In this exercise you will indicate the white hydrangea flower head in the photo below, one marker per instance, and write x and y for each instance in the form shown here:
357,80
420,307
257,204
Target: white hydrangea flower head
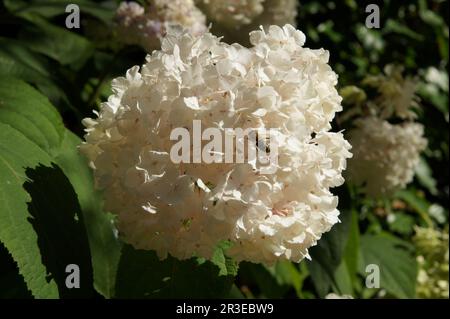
187,209
146,26
385,155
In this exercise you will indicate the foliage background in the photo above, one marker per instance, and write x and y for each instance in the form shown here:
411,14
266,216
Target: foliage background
50,215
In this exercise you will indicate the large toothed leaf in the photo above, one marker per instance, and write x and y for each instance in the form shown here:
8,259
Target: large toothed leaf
17,234
56,218
30,113
105,247
32,138
395,261
328,254
17,60
50,8
58,43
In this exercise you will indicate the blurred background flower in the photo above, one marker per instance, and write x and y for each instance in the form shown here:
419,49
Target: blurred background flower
432,250
146,25
233,19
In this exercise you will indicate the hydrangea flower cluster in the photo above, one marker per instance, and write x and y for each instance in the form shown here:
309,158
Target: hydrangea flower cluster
386,154
146,26
396,93
234,14
234,19
231,19
433,252
187,209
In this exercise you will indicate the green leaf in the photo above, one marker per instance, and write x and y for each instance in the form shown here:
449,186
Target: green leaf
343,281
287,273
431,93
51,8
401,223
321,279
32,134
17,234
104,245
429,16
351,254
16,60
424,175
265,278
416,202
227,265
327,29
13,285
327,255
398,267
31,114
142,275
59,226
61,44
393,26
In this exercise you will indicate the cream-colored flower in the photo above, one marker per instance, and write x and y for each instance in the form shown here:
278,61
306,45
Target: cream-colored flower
231,13
186,209
396,93
385,155
433,253
146,26
234,19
